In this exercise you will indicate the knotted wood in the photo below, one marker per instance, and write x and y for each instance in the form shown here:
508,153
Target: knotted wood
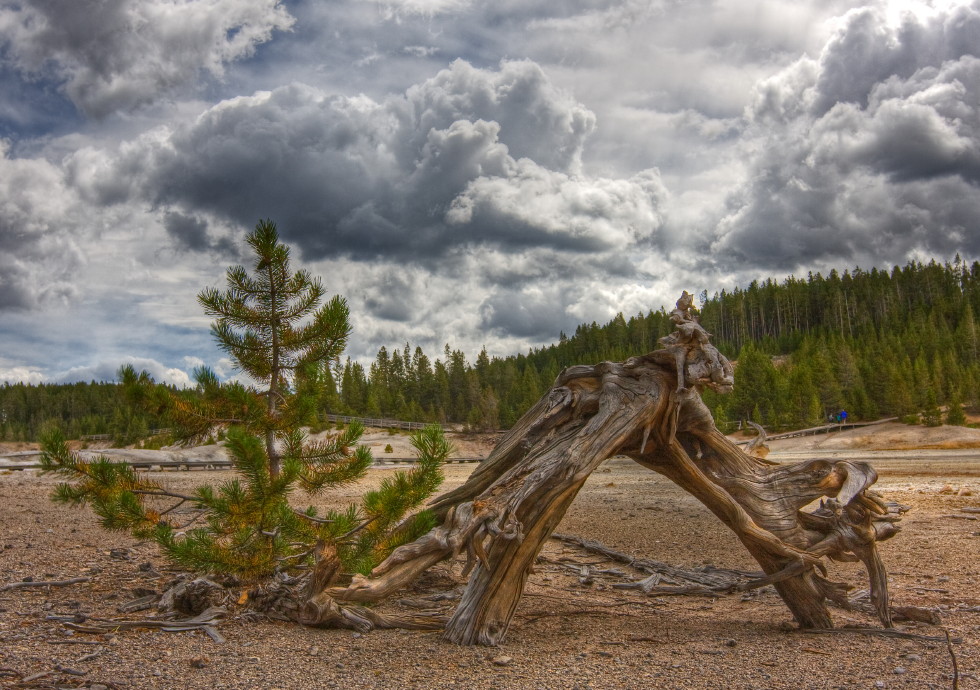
511,504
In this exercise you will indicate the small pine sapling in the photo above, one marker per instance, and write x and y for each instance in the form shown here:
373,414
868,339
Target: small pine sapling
271,324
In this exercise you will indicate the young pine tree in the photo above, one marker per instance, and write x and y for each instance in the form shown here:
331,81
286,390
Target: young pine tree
272,325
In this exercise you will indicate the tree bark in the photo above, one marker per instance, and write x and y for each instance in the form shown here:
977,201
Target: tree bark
512,503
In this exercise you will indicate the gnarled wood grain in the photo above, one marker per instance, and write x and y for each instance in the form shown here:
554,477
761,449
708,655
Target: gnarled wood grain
511,504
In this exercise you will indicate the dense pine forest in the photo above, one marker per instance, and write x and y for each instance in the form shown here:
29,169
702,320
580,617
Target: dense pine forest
876,343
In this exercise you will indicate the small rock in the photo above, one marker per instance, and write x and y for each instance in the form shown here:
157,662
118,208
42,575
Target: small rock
357,636
730,643
501,660
879,683
199,662
913,657
157,674
314,651
605,654
947,489
98,686
964,491
899,671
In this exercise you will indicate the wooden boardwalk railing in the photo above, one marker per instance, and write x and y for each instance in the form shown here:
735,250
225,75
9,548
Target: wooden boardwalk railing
210,464
382,422
824,429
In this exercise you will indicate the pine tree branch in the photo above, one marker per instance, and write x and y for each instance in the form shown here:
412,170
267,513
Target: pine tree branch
313,518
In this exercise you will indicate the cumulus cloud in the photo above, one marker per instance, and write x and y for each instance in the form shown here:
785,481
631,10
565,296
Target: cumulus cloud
39,232
633,147
121,54
106,370
876,162
21,374
467,158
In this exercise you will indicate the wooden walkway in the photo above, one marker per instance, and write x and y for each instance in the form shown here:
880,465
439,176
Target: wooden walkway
824,429
380,422
207,464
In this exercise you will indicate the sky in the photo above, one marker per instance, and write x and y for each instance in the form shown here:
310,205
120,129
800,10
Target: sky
478,173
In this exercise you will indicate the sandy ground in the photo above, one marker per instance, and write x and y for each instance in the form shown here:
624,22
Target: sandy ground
566,633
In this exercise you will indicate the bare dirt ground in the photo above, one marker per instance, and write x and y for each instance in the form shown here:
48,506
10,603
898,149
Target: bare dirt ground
566,634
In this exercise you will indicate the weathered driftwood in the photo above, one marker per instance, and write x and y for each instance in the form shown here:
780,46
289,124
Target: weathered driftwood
649,409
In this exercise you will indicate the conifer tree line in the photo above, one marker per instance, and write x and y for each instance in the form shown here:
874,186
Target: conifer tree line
76,409
876,343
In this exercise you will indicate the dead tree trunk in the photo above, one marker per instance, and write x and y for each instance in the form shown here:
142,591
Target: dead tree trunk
511,504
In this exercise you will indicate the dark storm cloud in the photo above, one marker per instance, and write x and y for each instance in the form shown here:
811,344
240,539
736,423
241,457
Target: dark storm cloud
191,232
452,163
535,314
884,164
119,54
14,293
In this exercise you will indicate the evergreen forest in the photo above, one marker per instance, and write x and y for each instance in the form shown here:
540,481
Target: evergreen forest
879,343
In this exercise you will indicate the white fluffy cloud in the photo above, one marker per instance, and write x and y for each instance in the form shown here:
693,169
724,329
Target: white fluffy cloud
106,370
119,54
39,234
471,173
869,153
468,158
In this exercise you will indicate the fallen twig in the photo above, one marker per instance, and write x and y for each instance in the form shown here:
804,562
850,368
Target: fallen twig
70,671
44,583
90,655
139,604
204,621
956,670
718,579
89,642
882,632
532,616
35,676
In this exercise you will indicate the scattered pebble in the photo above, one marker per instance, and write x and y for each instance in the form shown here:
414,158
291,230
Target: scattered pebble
502,660
899,670
199,662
